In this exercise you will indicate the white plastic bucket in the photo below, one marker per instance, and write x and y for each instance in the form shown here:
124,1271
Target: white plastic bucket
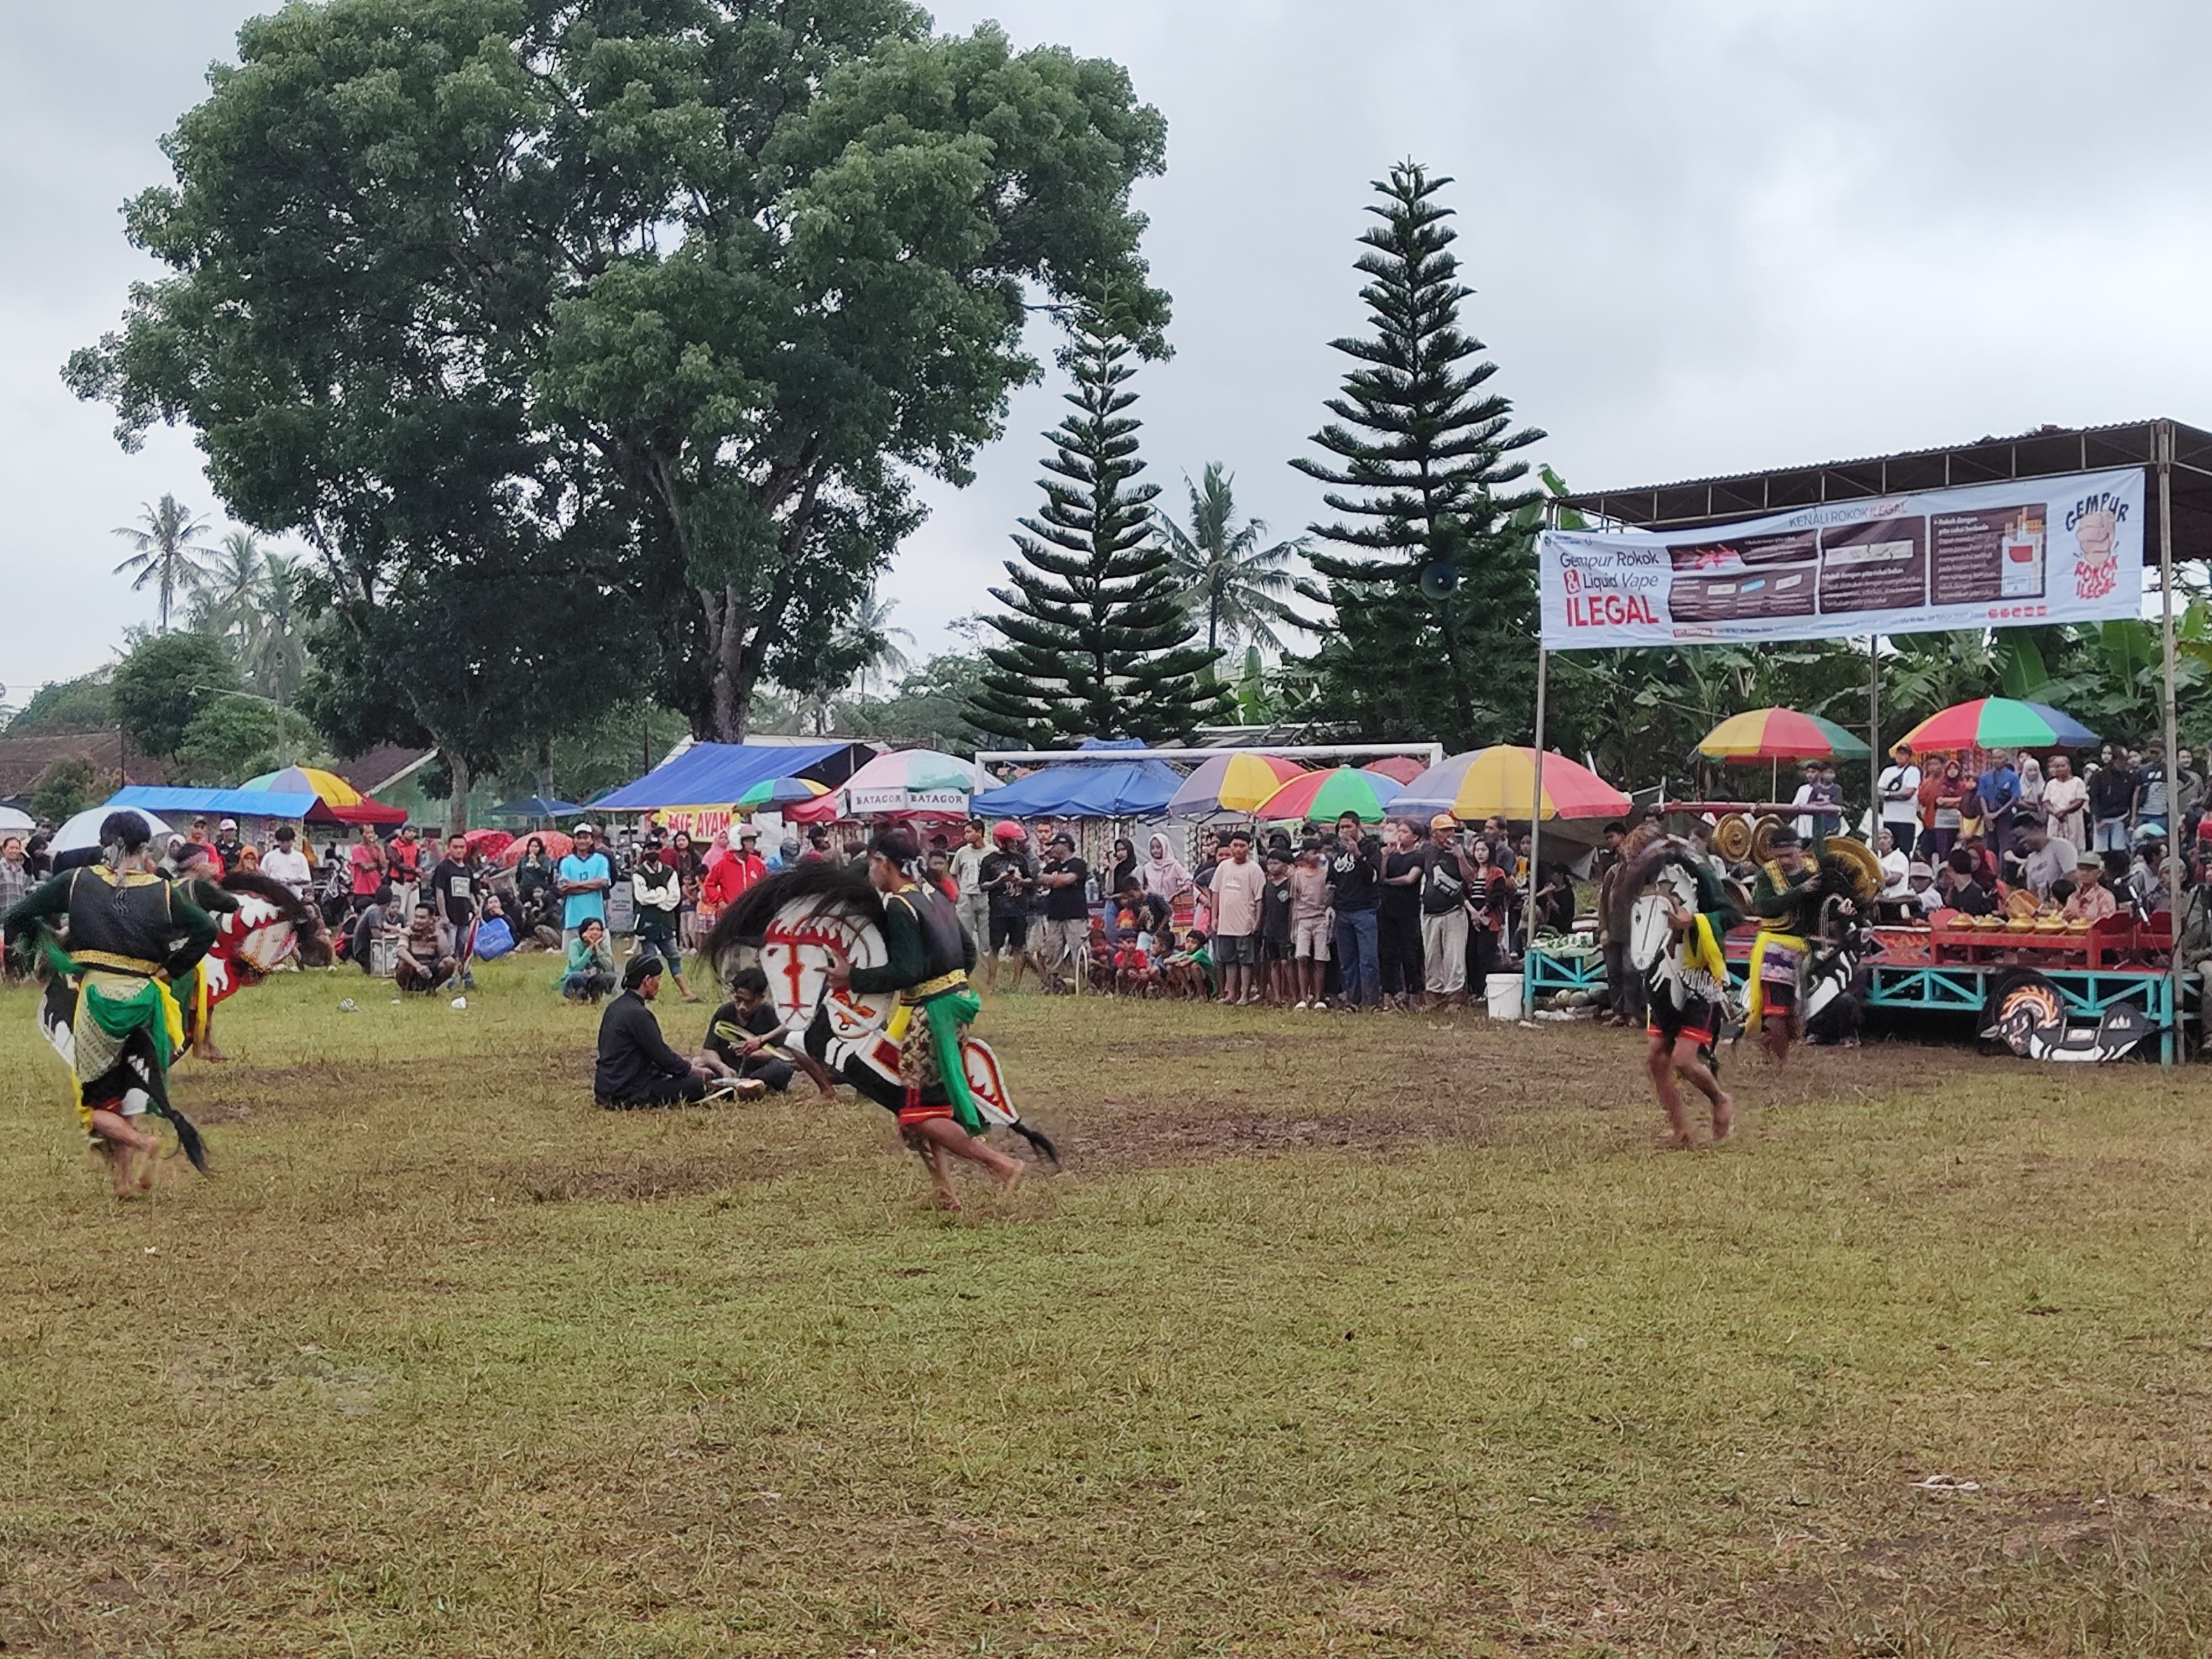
1503,993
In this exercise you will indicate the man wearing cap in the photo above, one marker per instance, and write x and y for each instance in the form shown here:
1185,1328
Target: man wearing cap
1922,898
1445,878
227,844
1785,899
635,1067
2091,900
1066,946
582,880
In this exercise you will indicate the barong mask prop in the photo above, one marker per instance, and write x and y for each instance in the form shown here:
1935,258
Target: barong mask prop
792,925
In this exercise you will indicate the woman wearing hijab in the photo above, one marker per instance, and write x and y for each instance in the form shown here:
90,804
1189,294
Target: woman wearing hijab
1165,874
2032,786
1124,869
718,851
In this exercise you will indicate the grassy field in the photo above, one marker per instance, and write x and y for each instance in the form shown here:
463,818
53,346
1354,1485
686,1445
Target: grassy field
1392,1336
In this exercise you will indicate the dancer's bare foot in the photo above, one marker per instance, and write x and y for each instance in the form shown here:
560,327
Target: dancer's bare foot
1723,1117
941,1198
209,1051
1677,1143
1011,1176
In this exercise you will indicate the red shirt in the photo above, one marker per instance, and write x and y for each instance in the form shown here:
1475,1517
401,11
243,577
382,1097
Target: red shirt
367,861
729,876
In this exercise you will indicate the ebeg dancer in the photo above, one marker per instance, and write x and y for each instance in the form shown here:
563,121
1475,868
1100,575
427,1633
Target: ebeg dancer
1786,898
1688,992
109,1009
928,957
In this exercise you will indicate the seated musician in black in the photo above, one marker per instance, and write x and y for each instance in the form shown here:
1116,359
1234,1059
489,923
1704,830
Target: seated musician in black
636,1068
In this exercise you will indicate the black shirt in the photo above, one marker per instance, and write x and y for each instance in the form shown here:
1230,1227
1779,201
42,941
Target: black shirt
727,1031
1444,889
1402,903
1971,898
1352,878
1005,876
1275,912
633,1054
1068,903
2111,793
453,887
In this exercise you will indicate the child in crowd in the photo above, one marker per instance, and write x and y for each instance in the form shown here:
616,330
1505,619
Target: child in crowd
1133,973
1276,967
1188,973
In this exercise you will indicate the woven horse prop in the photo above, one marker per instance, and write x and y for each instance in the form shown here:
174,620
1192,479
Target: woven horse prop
792,925
251,942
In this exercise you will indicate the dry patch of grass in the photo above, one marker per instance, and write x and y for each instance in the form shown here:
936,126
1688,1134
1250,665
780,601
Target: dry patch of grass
1338,1336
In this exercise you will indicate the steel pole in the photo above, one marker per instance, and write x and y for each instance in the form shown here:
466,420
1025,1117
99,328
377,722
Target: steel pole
1536,797
1874,737
2172,744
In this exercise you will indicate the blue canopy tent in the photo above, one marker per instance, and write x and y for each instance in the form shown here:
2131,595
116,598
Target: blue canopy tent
213,802
715,775
1086,788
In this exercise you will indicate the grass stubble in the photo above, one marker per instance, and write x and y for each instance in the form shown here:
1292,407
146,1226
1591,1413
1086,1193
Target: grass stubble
1392,1336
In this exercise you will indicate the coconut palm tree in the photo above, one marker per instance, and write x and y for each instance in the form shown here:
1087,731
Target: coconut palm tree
228,601
1223,569
275,650
170,552
871,634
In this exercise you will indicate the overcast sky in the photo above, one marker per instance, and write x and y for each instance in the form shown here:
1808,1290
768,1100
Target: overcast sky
1704,238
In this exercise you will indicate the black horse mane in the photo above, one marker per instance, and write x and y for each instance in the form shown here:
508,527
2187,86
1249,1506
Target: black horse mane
287,902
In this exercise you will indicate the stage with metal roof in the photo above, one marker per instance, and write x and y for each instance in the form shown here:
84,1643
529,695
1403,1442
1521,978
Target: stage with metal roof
2040,454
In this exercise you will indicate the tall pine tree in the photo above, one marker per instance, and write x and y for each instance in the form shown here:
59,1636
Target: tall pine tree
1435,588
1097,639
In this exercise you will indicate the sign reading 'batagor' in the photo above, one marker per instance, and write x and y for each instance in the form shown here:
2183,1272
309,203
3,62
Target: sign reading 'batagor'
2030,550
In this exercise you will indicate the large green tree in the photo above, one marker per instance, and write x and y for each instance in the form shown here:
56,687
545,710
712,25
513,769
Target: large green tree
1096,640
1431,579
721,274
165,682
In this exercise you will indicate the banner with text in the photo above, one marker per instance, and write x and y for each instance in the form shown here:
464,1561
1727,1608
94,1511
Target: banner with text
2024,552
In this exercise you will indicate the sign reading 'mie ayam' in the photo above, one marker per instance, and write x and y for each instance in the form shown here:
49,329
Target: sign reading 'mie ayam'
2028,550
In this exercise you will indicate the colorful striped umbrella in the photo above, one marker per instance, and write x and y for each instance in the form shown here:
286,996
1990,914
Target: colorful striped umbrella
909,780
1780,734
1499,782
1399,769
1232,786
779,791
1999,723
1327,796
336,797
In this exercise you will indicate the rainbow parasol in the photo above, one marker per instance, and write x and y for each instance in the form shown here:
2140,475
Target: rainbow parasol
334,797
1327,796
779,791
1778,734
1499,782
1999,723
1231,785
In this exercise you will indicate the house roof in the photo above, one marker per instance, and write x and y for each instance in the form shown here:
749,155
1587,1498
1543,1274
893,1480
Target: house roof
375,771
23,760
